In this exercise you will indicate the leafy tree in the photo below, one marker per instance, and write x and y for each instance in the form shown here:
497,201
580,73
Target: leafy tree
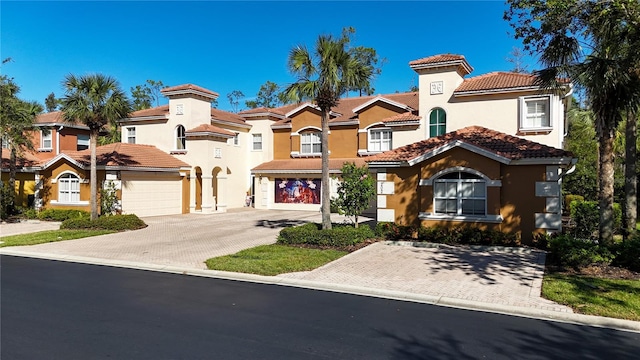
95,100
367,56
323,76
141,97
631,174
214,103
595,44
234,99
355,191
155,87
16,121
581,141
51,103
267,96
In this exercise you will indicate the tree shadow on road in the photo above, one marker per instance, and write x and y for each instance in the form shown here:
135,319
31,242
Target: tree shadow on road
281,223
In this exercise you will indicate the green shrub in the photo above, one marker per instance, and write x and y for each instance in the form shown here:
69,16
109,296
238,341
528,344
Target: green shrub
393,231
115,222
30,213
628,254
568,199
586,215
565,250
312,234
7,201
62,215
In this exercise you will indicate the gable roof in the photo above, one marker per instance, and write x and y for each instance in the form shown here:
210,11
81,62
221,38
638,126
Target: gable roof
55,118
496,81
402,119
25,160
501,147
123,156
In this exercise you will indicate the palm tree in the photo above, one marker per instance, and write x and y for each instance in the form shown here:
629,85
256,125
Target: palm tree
610,85
94,100
323,77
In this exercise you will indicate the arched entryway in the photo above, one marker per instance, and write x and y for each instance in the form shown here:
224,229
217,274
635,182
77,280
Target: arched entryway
198,188
214,185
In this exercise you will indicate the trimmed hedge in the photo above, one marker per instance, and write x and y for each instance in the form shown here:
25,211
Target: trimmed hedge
62,215
586,215
628,254
565,250
313,234
462,235
115,222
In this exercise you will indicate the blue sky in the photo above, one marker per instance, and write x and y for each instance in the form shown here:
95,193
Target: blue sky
226,46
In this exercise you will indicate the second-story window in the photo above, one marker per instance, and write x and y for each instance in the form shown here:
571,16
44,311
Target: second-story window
437,122
379,140
535,113
257,142
131,135
181,140
82,142
46,136
310,142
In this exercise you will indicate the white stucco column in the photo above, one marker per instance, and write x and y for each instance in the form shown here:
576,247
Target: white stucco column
222,189
208,205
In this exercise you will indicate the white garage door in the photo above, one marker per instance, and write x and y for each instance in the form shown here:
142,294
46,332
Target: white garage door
151,195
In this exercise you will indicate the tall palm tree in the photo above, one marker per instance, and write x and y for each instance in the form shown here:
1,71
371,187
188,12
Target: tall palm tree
323,77
94,100
610,84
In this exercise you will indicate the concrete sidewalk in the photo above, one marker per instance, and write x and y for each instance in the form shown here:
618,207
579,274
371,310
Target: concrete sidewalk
496,279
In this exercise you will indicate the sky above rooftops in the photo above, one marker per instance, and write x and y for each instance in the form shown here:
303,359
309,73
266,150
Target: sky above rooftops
226,46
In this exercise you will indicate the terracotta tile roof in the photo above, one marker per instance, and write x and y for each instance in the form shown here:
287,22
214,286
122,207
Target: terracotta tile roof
313,165
227,116
128,155
26,159
261,110
346,105
186,87
156,111
55,117
402,118
507,146
497,80
208,128
435,59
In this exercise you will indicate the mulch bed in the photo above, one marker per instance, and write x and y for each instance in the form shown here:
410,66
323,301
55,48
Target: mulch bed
596,271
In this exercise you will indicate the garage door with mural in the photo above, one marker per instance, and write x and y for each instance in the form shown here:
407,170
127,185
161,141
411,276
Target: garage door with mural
151,194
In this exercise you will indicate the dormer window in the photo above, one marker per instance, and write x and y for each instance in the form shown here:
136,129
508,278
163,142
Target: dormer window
310,142
380,140
181,140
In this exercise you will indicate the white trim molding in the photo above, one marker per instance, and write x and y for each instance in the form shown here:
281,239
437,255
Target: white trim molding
495,219
489,182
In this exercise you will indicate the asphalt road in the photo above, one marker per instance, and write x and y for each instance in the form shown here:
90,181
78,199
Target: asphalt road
58,310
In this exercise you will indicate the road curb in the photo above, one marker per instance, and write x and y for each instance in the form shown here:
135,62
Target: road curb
598,321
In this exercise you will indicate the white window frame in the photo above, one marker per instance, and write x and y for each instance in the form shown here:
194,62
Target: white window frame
68,189
312,140
44,137
546,124
256,140
86,141
181,138
460,196
131,135
377,141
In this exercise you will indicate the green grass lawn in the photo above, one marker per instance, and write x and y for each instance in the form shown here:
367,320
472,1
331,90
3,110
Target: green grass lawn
49,236
274,259
592,296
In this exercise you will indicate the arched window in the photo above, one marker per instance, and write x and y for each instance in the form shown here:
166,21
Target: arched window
437,122
68,188
181,140
460,193
310,142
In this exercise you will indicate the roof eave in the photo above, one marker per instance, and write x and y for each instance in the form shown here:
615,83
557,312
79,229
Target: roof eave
231,123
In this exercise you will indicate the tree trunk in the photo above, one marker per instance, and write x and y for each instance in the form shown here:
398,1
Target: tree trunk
93,176
606,188
326,191
12,179
356,224
630,179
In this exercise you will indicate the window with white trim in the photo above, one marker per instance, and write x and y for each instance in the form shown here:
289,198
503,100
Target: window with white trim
82,142
47,142
131,135
257,142
535,113
181,139
460,193
380,140
68,189
437,122
310,142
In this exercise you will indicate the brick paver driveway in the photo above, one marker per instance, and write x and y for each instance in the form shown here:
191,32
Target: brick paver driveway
183,240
